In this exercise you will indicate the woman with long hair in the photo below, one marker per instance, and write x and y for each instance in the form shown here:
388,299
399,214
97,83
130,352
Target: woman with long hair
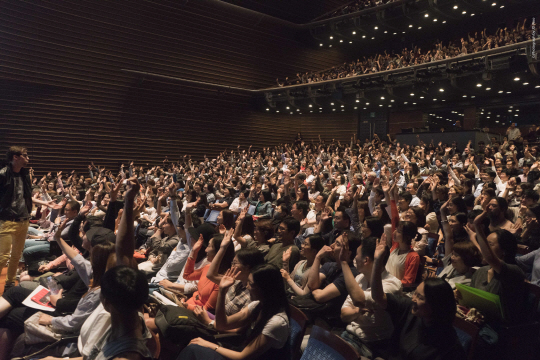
265,319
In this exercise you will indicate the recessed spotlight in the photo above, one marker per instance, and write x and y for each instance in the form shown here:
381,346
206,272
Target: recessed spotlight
537,86
357,100
382,97
472,97
464,12
410,26
434,99
502,6
508,92
330,46
376,28
277,111
494,4
291,112
516,79
310,105
340,41
380,105
392,100
287,108
500,91
333,109
311,111
478,85
373,38
332,104
488,89
426,15
331,37
320,44
297,109
356,107
267,109
350,42
354,32
342,105
455,7
464,95
419,27
386,31
434,20
342,109
395,33
406,102
365,108
441,90
444,22
367,103
472,14
412,94
421,97
414,103
363,36
525,83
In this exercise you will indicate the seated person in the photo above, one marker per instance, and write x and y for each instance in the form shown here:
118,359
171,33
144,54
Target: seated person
326,282
403,261
265,320
160,246
369,328
287,231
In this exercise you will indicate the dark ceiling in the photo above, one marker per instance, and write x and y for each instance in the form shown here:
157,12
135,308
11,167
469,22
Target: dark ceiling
296,11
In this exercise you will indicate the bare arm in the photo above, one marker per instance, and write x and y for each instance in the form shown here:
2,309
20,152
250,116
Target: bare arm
125,237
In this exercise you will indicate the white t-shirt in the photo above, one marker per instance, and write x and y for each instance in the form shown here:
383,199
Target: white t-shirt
93,329
375,323
276,329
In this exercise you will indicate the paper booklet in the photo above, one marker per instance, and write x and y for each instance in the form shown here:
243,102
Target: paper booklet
39,299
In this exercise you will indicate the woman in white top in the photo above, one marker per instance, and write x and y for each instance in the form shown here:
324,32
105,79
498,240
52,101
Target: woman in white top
416,215
297,280
265,319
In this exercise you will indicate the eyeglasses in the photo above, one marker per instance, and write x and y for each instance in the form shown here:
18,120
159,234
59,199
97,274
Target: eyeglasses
24,155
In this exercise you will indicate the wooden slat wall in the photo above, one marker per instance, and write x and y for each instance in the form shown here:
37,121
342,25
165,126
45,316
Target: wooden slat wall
63,94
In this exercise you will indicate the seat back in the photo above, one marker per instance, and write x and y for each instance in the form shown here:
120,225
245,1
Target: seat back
467,334
298,323
323,345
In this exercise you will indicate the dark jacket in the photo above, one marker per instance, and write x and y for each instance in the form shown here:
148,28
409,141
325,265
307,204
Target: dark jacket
7,186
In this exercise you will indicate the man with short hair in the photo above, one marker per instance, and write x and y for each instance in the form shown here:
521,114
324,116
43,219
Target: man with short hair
412,188
496,211
287,231
15,208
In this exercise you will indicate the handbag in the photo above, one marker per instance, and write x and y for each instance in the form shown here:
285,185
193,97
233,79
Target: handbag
35,333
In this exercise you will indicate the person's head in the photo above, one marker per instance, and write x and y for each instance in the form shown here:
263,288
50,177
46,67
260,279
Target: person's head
71,210
529,198
300,210
412,188
17,156
168,227
457,204
363,209
404,199
302,193
228,192
504,245
342,220
434,301
365,254
124,290
226,217
319,202
426,203
457,221
354,243
99,258
288,229
372,226
246,260
243,195
263,232
213,248
415,215
405,232
497,208
379,194
464,256
311,246
265,196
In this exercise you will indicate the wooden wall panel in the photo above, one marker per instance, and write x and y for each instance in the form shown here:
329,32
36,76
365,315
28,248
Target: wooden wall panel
64,95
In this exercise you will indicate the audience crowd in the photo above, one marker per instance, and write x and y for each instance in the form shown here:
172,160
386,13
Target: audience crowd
359,5
374,239
473,43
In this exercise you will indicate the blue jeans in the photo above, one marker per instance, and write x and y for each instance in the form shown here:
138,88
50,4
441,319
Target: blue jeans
34,250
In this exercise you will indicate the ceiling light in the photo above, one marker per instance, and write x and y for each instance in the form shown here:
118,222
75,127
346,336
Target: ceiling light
472,97
464,12
525,83
382,97
267,109
410,25
287,108
342,109
330,46
350,42
332,104
488,88
455,7
363,36
376,28
386,31
478,85
508,92
365,108
354,32
380,105
277,111
414,103
342,105
356,107
321,44
516,79
373,38
494,4
426,15
500,92
434,99
434,20
392,100
357,100
441,90
464,95
412,94
311,111
291,112
297,109
331,37
395,33
421,97
333,109
310,105
502,6
340,40
419,27
405,102
537,86
444,22
367,103
472,14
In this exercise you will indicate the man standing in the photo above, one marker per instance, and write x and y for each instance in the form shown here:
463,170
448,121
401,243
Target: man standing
15,209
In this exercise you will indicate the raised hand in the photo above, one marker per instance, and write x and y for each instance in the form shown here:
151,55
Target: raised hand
345,253
380,250
287,255
227,239
326,250
229,278
286,276
86,208
197,246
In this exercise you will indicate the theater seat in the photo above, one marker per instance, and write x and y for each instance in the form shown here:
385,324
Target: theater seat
323,345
